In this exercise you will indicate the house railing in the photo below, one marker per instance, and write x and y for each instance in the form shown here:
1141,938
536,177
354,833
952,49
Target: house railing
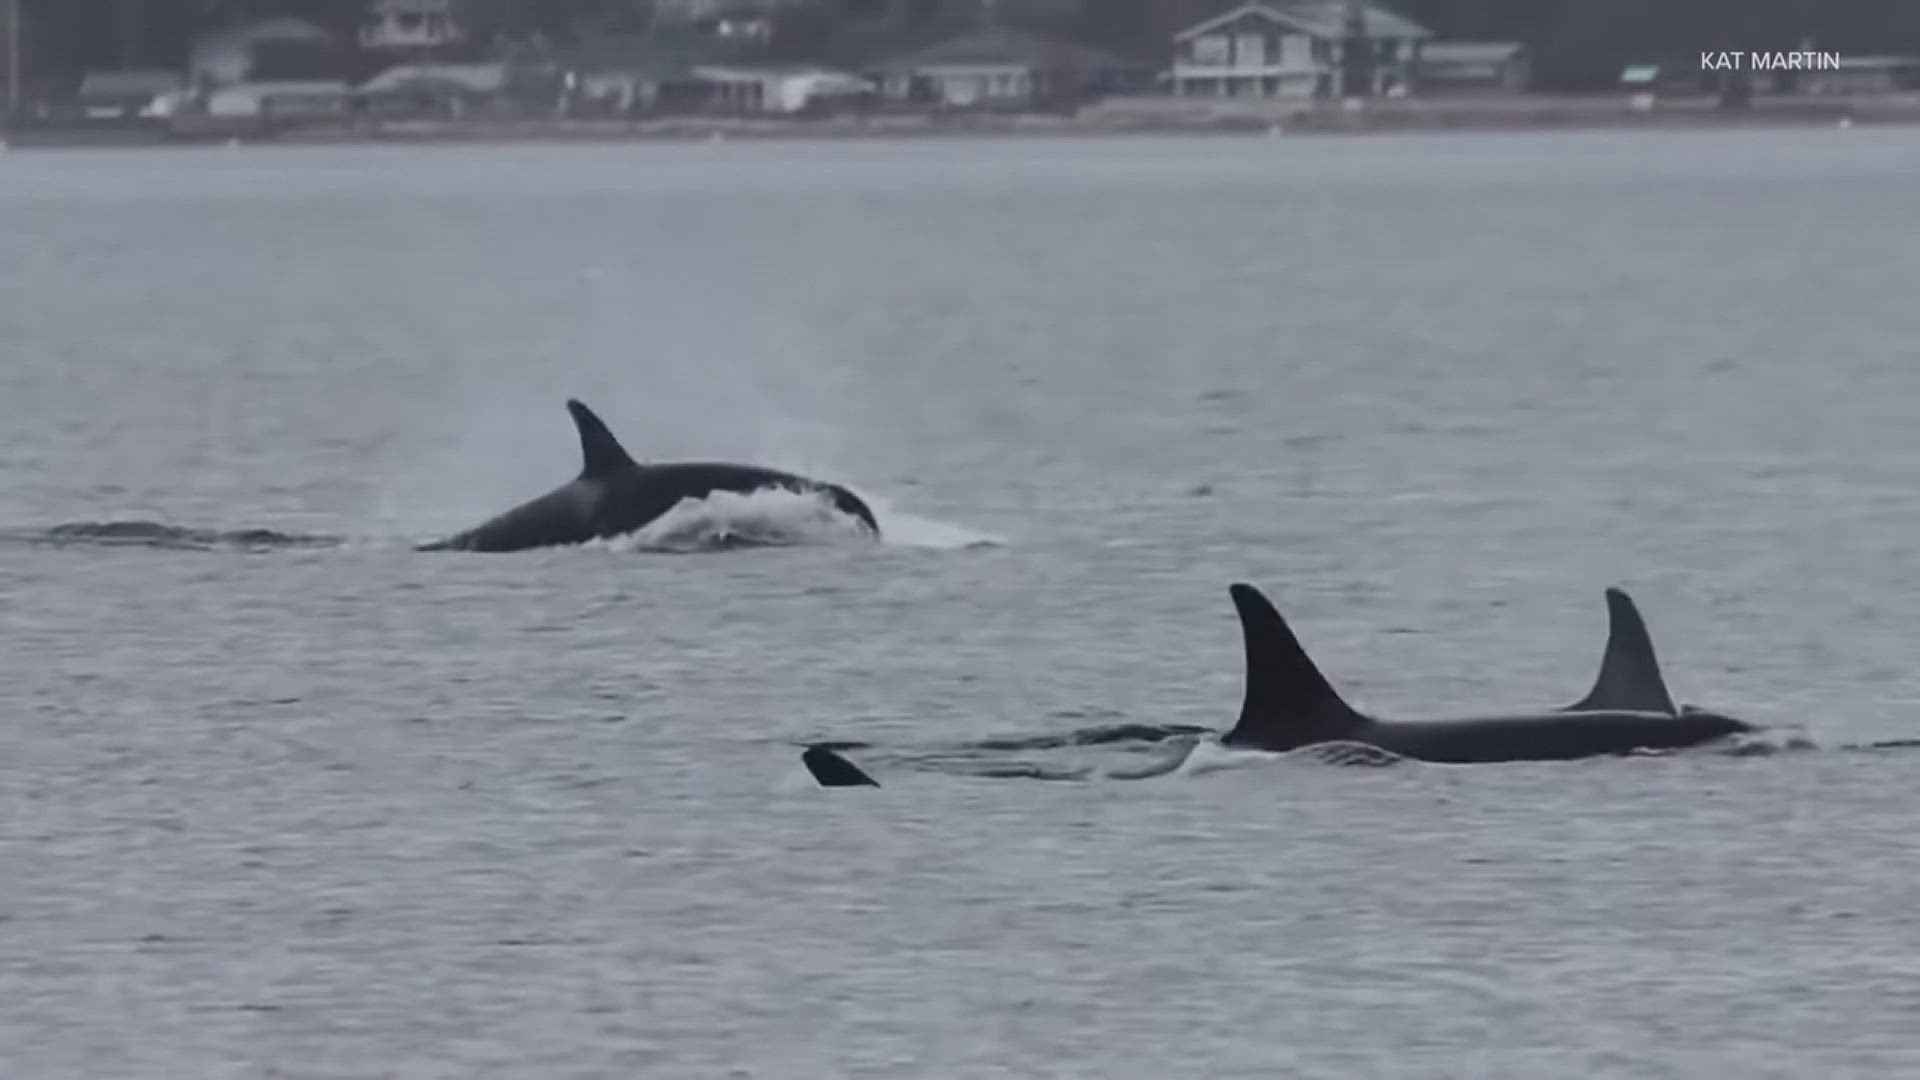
1187,69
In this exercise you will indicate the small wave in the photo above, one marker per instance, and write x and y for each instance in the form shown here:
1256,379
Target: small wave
1779,741
1195,755
1885,744
838,746
961,762
909,530
1177,750
1346,755
901,529
154,534
1761,743
1102,735
1210,755
1028,770
1177,759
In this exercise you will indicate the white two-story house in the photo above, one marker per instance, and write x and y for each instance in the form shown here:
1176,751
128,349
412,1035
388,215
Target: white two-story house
1292,49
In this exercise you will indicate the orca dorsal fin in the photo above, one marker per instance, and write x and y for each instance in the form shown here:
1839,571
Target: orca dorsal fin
1288,702
600,453
829,769
1629,674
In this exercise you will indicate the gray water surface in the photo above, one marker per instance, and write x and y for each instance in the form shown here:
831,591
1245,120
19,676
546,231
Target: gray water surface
346,810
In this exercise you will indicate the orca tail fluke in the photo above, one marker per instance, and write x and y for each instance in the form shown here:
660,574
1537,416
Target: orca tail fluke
600,453
832,770
1288,701
1629,672
853,506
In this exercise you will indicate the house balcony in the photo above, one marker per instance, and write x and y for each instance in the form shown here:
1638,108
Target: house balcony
1286,80
1184,69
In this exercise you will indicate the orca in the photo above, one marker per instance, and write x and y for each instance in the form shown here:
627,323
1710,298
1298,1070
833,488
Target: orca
1289,704
832,770
614,495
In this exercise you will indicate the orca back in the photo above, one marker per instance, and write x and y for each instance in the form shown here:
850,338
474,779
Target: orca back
1555,736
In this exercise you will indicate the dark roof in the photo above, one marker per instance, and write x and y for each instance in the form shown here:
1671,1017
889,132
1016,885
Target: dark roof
1321,18
1470,52
1004,46
147,83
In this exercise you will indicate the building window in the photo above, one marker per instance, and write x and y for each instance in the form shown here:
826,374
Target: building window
1213,50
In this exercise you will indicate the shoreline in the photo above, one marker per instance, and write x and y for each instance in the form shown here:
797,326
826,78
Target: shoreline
1113,117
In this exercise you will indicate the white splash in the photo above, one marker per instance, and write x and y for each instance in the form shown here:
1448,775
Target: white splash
769,517
778,517
901,529
1211,755
1199,756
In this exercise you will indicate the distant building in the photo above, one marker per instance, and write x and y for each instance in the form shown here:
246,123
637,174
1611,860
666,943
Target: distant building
1001,67
779,90
278,99
1863,75
122,94
413,26
1291,50
1670,78
629,75
1460,66
436,89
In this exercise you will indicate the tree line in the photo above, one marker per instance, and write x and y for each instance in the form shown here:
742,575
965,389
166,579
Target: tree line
1576,43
